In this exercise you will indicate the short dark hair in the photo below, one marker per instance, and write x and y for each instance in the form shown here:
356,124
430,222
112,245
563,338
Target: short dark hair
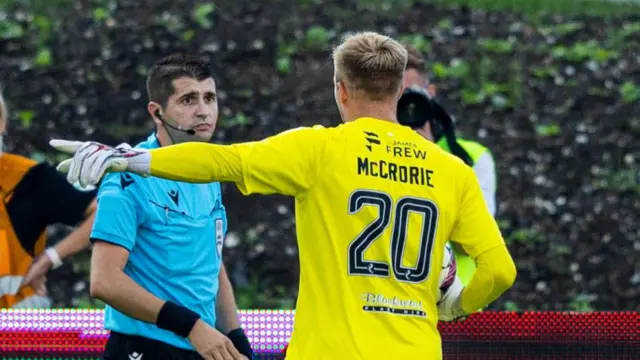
164,72
416,61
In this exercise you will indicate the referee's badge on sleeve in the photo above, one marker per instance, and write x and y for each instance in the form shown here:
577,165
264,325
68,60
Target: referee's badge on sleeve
219,236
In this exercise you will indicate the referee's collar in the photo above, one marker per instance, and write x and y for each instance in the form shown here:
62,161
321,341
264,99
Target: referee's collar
152,142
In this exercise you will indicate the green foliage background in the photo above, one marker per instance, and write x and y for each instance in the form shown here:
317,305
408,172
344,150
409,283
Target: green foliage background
552,87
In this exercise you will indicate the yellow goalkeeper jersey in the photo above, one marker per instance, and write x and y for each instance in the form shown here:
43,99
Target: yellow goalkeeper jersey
374,205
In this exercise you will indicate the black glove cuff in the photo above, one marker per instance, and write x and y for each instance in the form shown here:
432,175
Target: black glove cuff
177,319
241,342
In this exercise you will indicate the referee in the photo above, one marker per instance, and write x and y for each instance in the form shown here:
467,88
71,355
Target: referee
156,261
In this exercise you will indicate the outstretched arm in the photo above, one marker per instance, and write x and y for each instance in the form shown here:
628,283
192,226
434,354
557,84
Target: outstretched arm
198,162
287,163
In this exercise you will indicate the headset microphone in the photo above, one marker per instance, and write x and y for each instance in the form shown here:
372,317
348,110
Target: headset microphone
187,131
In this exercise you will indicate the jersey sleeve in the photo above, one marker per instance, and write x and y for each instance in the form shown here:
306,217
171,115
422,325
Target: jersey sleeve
117,216
287,163
475,230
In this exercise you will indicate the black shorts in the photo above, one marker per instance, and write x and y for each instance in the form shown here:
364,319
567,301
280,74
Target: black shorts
129,347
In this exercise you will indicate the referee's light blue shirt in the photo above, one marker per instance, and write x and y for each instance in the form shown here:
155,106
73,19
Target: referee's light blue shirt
174,232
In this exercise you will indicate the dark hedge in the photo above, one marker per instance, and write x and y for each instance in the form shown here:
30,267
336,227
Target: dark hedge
555,98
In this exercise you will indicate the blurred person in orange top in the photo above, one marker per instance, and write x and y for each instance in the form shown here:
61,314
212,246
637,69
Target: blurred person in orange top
34,196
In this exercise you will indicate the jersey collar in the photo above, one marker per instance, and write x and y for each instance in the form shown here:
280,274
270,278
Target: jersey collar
379,122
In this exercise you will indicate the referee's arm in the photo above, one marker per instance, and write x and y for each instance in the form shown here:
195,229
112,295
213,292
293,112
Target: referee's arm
110,284
114,236
226,309
227,315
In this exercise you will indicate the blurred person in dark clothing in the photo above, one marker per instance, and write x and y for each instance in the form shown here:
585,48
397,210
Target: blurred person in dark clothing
34,196
434,124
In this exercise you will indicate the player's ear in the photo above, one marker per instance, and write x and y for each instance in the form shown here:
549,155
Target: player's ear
342,91
155,111
402,88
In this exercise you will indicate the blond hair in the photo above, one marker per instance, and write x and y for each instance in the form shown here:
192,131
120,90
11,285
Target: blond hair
3,114
370,65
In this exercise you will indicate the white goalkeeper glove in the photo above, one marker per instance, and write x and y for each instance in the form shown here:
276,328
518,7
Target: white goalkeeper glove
91,160
450,305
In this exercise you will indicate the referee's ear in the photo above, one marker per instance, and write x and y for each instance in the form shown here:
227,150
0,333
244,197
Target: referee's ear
155,111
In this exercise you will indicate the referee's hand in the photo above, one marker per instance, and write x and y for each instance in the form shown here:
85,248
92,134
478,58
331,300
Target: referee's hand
212,344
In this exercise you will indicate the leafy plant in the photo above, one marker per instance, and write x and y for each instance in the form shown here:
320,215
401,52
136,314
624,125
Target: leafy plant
445,24
457,69
239,120
539,8
418,41
43,57
283,59
561,29
253,296
188,35
495,93
100,14
630,92
10,30
389,7
498,46
316,38
511,306
516,81
283,64
582,51
630,29
304,4
559,249
524,235
87,302
202,13
548,129
544,71
25,117
625,180
582,302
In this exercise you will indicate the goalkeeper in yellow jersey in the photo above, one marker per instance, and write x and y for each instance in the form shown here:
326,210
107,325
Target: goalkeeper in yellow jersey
375,205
